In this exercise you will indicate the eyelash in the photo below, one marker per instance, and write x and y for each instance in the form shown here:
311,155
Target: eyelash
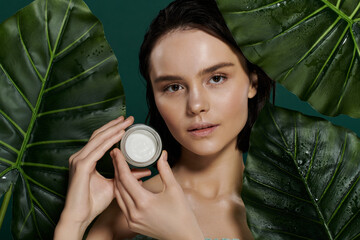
221,76
167,88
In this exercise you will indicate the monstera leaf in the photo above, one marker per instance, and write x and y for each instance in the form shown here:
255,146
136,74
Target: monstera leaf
58,83
312,47
301,179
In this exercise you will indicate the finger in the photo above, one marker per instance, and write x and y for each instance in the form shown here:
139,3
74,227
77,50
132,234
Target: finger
127,179
140,173
73,156
121,203
106,126
91,144
123,199
88,163
104,136
126,198
165,171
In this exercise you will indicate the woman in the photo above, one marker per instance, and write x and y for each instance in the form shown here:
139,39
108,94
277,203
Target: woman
203,98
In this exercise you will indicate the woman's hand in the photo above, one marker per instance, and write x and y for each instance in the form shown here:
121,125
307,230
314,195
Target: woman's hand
89,193
164,215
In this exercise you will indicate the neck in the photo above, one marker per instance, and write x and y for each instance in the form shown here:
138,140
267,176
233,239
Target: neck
211,176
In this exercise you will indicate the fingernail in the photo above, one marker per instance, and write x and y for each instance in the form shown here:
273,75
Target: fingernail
129,118
164,155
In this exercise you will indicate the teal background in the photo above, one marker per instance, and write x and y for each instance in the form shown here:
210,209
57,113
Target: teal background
125,23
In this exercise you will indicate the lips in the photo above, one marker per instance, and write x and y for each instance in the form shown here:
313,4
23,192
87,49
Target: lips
202,129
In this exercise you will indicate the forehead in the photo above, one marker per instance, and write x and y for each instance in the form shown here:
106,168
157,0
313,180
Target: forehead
188,50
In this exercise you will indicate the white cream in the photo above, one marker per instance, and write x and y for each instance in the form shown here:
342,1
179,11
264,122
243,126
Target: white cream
140,146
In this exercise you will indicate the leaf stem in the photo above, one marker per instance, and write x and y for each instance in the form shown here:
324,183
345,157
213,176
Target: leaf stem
5,205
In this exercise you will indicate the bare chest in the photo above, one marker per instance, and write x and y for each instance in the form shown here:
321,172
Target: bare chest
221,218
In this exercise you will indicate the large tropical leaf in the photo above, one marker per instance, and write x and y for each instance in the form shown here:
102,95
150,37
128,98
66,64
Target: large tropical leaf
301,179
58,82
312,47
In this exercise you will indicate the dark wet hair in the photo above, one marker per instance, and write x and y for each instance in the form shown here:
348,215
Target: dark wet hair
203,15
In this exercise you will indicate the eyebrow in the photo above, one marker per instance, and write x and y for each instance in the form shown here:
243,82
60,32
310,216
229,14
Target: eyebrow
215,67
167,78
201,73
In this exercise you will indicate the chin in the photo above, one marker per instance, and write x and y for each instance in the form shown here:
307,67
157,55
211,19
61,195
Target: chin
204,150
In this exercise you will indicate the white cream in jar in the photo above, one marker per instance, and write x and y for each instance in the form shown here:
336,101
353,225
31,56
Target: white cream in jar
141,145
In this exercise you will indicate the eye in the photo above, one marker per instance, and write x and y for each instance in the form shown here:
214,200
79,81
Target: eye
173,88
217,79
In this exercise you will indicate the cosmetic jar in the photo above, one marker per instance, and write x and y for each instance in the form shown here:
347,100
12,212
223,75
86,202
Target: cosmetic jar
141,145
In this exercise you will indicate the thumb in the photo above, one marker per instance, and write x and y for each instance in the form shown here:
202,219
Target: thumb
165,171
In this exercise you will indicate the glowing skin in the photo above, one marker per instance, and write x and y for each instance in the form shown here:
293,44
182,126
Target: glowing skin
201,90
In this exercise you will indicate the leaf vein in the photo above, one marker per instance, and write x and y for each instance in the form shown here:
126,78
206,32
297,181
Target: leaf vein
278,190
347,224
346,81
310,89
259,8
354,39
337,10
17,88
320,40
57,141
78,107
336,170
25,220
313,155
31,201
41,165
288,29
43,210
282,169
343,199
77,76
27,52
9,147
64,22
12,122
261,204
279,130
77,40
43,186
6,161
279,231
355,11
6,171
47,28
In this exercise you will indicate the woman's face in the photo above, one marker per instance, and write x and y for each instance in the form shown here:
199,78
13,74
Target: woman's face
201,90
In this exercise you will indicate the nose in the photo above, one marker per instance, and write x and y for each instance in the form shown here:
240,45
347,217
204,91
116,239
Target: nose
198,101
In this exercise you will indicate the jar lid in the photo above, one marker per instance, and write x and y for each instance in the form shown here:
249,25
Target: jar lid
141,145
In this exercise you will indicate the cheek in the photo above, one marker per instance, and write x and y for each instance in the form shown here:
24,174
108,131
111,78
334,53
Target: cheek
234,101
234,108
170,112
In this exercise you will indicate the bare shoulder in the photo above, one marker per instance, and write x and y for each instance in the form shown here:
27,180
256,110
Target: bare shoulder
112,224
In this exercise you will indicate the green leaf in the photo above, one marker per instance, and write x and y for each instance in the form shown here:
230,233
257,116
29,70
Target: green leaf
312,47
58,83
301,179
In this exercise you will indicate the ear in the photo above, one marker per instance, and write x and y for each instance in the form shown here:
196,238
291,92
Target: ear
253,84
